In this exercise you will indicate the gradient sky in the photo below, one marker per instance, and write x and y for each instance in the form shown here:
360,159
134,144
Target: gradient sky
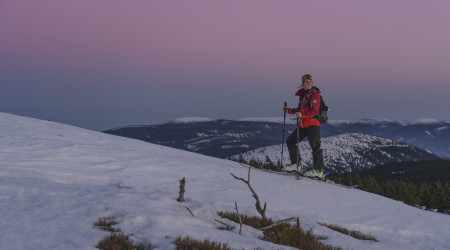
107,63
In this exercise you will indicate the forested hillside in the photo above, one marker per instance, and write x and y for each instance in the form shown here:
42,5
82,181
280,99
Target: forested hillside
424,184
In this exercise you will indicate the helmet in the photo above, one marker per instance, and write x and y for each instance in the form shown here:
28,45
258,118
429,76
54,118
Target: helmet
306,77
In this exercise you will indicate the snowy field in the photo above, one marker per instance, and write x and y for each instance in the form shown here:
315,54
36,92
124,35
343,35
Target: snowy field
56,180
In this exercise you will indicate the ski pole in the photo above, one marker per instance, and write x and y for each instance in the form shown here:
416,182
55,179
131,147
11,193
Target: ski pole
284,129
298,149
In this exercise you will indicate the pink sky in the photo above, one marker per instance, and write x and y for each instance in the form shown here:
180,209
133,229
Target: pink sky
223,59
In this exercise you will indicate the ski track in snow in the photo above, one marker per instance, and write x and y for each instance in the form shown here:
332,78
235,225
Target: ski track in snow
56,180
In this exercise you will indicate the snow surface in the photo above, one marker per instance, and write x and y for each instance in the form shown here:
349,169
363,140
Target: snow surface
56,180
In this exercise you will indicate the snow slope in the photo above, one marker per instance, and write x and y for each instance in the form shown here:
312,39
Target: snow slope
56,180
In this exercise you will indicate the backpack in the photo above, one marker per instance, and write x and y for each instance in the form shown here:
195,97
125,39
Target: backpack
322,117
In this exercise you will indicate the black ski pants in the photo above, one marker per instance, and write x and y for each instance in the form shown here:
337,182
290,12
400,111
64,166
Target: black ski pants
313,134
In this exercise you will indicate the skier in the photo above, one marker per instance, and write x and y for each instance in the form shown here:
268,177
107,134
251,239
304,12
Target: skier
308,126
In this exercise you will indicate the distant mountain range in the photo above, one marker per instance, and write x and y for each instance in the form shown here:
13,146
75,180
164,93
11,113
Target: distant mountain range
347,152
224,138
218,138
428,134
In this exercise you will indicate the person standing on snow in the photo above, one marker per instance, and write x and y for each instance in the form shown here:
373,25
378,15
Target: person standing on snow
308,126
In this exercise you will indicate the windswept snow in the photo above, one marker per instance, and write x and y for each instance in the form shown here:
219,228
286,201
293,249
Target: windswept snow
56,180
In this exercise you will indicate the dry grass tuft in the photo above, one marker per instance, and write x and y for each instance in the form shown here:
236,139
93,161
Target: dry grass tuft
187,243
116,240
353,233
289,235
284,234
253,221
106,224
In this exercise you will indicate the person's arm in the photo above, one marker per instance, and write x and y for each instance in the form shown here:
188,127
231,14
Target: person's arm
292,111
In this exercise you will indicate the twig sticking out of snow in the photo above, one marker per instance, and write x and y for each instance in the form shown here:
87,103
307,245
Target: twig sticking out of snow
225,224
281,222
182,184
261,211
239,216
190,211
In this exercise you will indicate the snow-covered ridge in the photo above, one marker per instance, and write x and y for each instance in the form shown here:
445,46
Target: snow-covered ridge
192,119
360,121
346,152
56,180
129,126
424,121
267,119
290,120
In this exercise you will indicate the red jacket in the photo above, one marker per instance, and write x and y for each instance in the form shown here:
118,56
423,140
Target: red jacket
309,105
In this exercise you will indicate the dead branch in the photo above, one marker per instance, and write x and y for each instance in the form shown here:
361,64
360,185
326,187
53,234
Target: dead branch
223,223
282,222
189,211
182,184
261,211
239,216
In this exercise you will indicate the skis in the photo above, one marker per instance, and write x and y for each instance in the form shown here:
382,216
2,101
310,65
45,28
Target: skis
306,171
302,172
294,173
317,177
